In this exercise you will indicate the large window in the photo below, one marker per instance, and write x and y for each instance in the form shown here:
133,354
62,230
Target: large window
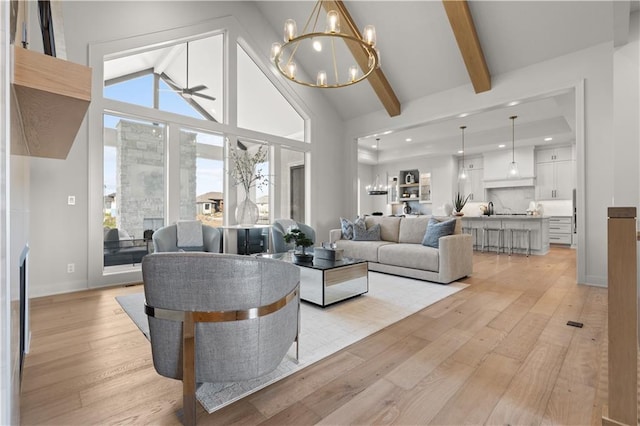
134,187
201,176
166,137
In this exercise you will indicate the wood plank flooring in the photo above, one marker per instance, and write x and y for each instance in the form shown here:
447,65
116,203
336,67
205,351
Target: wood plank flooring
497,352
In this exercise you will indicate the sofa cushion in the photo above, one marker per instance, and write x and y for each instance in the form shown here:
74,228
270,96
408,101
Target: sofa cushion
367,250
436,229
389,226
361,233
414,256
346,226
412,229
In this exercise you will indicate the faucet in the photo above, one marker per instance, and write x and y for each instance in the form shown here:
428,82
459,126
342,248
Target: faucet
490,208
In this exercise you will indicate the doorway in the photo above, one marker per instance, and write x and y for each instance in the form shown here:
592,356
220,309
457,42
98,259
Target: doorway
297,195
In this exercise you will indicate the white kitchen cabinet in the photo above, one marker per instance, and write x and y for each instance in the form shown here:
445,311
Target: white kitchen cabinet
425,188
559,153
473,185
560,230
555,180
392,190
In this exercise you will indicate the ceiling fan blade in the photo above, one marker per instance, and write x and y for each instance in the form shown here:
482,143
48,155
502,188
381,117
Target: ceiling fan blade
197,88
202,95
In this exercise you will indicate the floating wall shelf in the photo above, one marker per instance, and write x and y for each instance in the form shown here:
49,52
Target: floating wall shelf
53,96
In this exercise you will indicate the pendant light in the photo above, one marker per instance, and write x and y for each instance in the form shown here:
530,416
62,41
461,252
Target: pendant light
377,188
463,171
513,166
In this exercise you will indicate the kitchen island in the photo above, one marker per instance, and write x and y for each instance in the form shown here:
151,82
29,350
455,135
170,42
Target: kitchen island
538,226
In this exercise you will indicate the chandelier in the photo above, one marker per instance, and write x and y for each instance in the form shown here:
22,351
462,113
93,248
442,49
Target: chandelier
377,188
513,166
323,45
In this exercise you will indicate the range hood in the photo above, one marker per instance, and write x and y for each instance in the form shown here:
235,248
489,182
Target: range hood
509,183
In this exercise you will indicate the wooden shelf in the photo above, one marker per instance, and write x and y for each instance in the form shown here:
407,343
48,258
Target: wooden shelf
53,96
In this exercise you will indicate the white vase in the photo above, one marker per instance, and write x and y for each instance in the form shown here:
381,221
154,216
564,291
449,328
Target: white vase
247,212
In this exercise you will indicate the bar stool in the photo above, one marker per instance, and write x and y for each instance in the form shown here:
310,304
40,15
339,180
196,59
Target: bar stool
473,232
486,234
523,232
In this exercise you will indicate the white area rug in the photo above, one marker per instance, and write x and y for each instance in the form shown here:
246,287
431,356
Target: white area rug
323,331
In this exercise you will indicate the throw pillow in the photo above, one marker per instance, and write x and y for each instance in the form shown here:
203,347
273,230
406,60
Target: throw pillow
361,233
347,229
435,230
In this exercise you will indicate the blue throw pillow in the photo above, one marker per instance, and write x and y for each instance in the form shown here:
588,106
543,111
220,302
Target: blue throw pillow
361,233
347,229
436,229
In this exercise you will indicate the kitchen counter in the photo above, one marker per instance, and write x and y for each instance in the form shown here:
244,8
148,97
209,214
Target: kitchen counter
538,225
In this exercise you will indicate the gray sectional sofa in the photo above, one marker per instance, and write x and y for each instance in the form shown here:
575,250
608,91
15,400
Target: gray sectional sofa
400,250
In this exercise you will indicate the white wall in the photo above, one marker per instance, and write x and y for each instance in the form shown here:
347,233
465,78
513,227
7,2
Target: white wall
594,66
62,237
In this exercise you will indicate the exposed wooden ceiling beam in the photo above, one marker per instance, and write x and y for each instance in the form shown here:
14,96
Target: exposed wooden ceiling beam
464,30
377,79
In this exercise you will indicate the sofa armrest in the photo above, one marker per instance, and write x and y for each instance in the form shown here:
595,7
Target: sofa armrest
335,235
456,257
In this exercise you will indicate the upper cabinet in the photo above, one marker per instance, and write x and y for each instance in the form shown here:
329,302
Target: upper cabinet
52,96
425,187
473,185
555,173
561,153
496,164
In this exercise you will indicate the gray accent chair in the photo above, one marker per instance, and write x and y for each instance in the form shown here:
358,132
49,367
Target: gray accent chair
219,317
166,240
279,228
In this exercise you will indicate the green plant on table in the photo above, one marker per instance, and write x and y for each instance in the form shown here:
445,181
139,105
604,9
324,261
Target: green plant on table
299,239
460,201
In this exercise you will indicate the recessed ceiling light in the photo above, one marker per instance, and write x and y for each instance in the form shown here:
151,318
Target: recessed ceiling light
373,146
501,145
408,140
317,46
460,151
548,139
387,132
463,115
514,103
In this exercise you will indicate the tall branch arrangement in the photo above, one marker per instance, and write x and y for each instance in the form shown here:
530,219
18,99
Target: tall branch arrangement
244,171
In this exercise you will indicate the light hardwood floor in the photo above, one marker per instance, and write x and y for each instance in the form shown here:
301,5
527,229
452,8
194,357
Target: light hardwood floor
498,352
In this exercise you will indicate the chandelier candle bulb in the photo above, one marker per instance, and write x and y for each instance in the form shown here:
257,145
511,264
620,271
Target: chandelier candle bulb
370,35
275,50
291,70
333,22
353,73
290,30
322,78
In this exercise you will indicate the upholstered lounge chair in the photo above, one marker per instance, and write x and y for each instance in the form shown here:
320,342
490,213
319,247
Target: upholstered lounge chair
166,240
219,317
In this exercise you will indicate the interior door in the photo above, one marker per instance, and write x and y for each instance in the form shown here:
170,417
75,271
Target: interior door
297,195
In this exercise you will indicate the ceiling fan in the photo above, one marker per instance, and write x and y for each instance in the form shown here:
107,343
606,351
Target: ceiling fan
187,92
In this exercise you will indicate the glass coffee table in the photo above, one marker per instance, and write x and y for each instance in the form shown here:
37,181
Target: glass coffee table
324,282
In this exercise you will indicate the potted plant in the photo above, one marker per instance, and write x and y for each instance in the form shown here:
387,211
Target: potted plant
300,240
459,203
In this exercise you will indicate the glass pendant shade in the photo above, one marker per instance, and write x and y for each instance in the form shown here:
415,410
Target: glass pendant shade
333,22
463,171
370,35
512,171
322,78
290,30
275,49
